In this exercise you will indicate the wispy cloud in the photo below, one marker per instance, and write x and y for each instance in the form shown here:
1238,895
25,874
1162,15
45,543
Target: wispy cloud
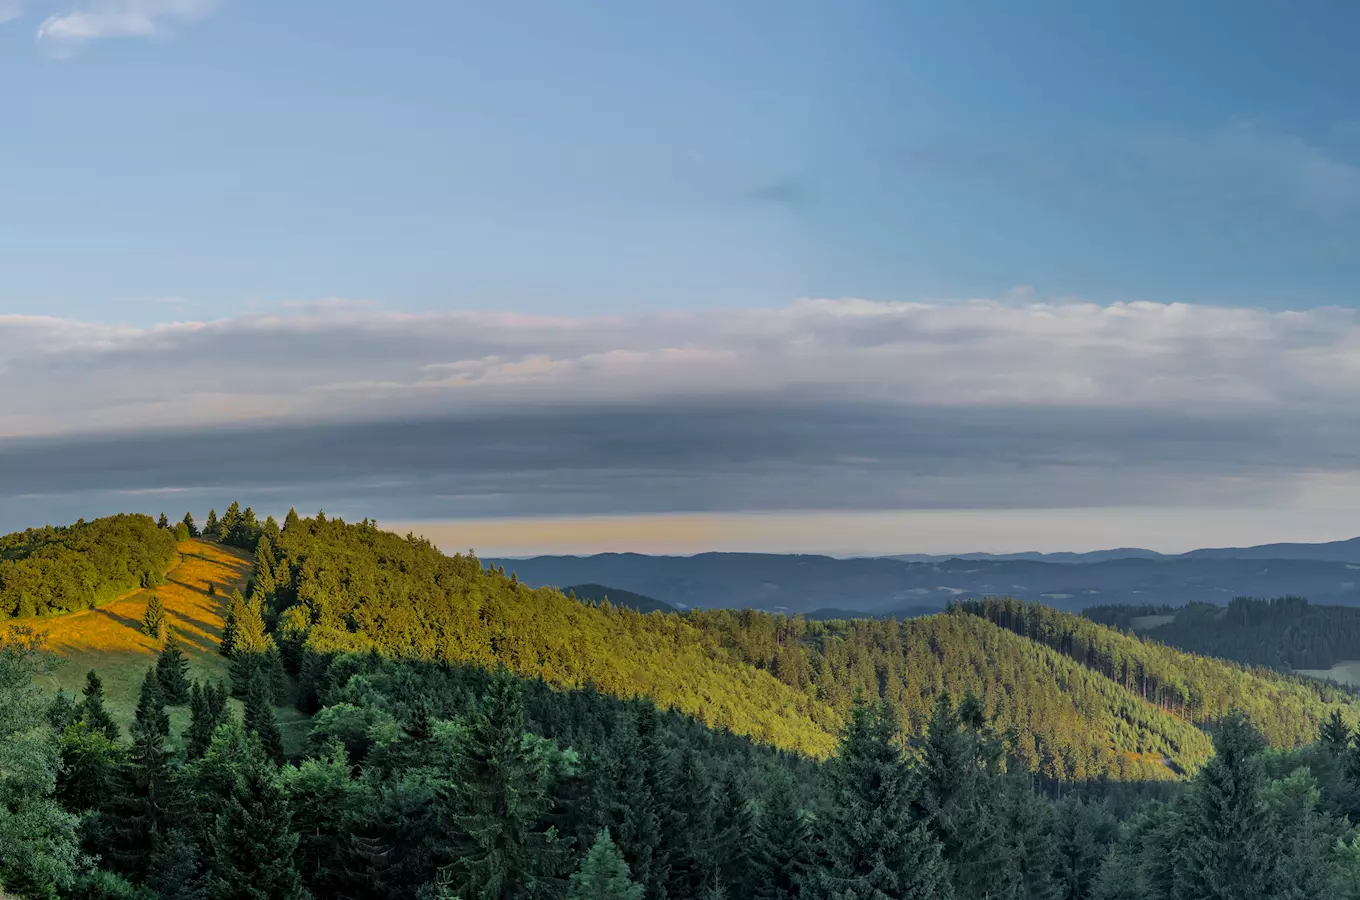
98,19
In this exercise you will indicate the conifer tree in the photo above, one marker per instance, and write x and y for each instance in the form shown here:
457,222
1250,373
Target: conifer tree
153,620
872,846
211,527
253,840
162,522
603,874
781,851
146,807
261,719
630,807
500,798
290,521
91,709
172,669
202,724
229,529
189,524
1225,850
688,830
1335,737
735,834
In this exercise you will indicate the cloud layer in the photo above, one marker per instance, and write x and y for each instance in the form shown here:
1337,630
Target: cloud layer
818,405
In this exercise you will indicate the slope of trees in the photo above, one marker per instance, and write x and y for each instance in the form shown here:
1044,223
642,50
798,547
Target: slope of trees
46,571
1288,711
1284,633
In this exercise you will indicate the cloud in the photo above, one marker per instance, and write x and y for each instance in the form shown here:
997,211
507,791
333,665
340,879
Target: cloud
822,404
97,19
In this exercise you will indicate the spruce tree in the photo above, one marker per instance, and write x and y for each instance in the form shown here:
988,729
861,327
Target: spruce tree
1225,849
1335,737
153,620
146,807
172,668
201,723
189,524
781,848
162,522
211,527
735,834
290,521
253,840
91,709
687,834
499,797
603,874
630,807
872,846
261,719
229,529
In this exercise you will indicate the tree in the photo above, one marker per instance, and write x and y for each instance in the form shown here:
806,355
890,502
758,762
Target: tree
205,714
260,718
1335,737
172,669
91,710
781,851
189,524
38,848
153,620
162,522
253,840
1226,849
146,807
873,847
211,527
229,529
499,795
603,874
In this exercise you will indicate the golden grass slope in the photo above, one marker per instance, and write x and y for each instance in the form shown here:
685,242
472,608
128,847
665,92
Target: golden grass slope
109,638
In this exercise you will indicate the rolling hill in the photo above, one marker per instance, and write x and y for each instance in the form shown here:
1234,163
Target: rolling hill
802,583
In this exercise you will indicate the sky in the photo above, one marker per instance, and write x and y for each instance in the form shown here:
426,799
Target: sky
857,277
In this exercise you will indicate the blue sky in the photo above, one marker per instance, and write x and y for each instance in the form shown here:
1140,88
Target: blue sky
584,157
1027,270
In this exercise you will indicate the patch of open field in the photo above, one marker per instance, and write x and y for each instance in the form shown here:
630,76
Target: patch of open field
1142,623
109,638
1343,673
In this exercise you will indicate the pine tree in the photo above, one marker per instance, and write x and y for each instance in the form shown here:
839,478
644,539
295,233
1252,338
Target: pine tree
153,620
500,798
189,524
687,834
872,846
211,527
172,669
1335,737
252,838
162,522
290,521
202,724
146,807
261,719
91,709
735,834
229,529
1224,853
603,874
630,808
174,872
227,645
781,848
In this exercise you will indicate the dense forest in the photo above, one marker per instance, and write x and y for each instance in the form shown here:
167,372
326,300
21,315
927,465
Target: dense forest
48,571
472,738
1287,710
1284,633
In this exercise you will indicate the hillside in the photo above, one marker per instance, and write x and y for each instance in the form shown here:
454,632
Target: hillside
339,587
598,593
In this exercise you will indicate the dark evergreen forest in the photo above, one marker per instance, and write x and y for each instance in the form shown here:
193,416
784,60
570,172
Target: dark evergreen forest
472,738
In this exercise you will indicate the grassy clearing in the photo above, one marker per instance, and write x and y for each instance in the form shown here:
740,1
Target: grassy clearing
109,638
1347,673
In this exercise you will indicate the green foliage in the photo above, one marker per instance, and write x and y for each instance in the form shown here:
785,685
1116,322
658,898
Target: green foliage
1288,711
253,840
189,525
91,710
873,846
47,571
172,671
153,621
37,837
1283,633
603,874
260,719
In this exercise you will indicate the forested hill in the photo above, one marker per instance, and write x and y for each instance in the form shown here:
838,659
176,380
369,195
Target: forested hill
45,571
1284,633
1288,710
334,587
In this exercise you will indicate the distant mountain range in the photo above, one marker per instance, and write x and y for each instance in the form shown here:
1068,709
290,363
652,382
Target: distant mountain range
910,584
